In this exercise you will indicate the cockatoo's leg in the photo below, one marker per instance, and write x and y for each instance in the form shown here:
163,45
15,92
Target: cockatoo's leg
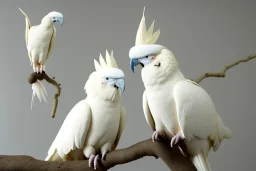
41,68
105,149
156,135
89,152
36,67
176,139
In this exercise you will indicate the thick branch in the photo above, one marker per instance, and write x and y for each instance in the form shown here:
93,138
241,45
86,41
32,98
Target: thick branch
33,77
223,72
171,157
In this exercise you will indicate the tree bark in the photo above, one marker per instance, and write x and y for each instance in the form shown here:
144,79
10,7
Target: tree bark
171,156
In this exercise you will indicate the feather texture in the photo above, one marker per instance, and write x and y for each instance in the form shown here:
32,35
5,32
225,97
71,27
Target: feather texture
75,127
143,36
39,91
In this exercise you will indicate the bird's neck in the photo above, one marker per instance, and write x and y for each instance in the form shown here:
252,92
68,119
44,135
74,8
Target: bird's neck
170,80
104,101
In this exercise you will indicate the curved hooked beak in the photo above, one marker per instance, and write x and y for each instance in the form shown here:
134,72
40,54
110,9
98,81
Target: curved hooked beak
134,62
120,84
60,20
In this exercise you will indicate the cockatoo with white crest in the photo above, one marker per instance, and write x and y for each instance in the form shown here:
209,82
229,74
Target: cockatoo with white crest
39,41
94,125
174,107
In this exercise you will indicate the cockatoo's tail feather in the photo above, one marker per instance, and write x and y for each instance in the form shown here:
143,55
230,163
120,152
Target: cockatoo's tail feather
39,91
201,162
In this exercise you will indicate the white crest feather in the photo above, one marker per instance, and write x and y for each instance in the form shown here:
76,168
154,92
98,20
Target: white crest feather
146,37
110,62
102,62
97,65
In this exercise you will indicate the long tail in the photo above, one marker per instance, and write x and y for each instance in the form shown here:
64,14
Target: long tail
201,163
39,91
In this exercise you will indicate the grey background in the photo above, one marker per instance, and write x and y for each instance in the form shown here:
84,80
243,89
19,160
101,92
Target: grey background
204,35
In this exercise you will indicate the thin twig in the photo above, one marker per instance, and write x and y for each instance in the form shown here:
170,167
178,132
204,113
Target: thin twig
33,77
223,72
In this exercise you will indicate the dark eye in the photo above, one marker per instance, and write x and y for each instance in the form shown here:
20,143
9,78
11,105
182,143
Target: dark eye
106,78
146,56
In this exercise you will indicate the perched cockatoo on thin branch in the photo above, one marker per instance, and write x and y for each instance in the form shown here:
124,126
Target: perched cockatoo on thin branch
175,107
39,41
94,125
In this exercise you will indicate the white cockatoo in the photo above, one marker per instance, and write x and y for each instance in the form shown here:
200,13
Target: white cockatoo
39,41
94,125
175,107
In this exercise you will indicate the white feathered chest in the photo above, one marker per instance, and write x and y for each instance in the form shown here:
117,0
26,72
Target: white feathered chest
162,107
42,38
105,122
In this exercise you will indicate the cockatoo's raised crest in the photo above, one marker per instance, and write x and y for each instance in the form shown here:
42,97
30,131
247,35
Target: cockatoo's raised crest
110,62
108,73
145,48
109,67
145,36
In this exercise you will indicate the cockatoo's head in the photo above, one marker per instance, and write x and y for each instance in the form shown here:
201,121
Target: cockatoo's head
107,81
53,17
156,60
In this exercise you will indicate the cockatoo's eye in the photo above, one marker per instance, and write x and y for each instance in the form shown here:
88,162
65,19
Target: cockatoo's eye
146,60
106,78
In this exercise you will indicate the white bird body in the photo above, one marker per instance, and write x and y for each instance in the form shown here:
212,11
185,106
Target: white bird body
38,46
94,125
100,134
39,42
107,115
174,107
165,117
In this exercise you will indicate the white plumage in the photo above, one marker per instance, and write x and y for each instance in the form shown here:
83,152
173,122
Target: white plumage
175,107
94,125
39,41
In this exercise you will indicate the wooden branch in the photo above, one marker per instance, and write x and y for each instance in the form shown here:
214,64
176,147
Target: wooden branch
33,77
223,72
171,157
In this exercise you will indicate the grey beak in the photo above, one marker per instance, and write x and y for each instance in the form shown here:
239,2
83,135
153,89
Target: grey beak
134,62
61,21
120,84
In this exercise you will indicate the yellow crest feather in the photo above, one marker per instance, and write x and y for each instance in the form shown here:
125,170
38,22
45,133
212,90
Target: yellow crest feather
146,37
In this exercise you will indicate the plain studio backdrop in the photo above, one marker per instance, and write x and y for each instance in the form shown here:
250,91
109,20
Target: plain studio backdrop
203,35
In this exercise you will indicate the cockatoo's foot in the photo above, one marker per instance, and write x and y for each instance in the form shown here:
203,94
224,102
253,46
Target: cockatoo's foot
96,161
41,69
93,160
176,139
103,156
155,136
37,68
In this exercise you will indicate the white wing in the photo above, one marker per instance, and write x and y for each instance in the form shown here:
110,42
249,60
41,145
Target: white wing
73,131
121,127
147,112
196,111
28,26
51,43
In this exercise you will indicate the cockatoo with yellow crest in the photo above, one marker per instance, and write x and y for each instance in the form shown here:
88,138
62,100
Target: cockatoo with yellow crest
174,107
94,125
39,41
